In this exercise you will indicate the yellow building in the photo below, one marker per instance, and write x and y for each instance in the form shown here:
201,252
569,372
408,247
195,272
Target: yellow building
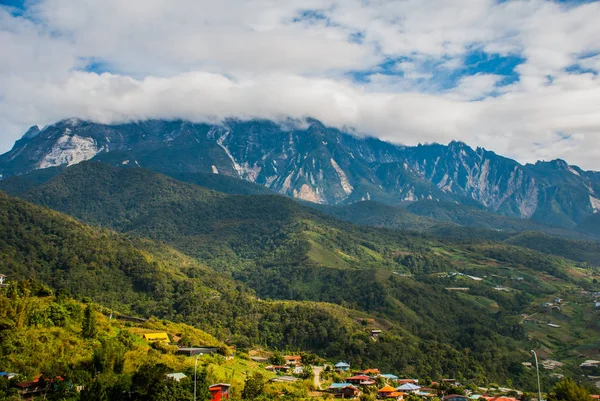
154,337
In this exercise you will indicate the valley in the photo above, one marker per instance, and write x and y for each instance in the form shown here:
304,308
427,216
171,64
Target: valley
454,289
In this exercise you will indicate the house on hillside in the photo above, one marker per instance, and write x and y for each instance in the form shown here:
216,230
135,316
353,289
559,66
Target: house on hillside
219,391
411,381
409,388
176,376
157,337
390,392
293,360
343,366
344,390
29,389
590,364
278,369
389,376
2,279
361,380
370,372
375,333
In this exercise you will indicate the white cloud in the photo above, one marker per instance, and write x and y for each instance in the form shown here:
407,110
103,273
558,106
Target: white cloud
475,87
200,59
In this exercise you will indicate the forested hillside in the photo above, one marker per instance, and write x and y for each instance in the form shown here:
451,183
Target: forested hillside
285,251
140,277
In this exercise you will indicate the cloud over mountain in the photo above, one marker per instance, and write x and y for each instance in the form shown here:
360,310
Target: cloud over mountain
517,77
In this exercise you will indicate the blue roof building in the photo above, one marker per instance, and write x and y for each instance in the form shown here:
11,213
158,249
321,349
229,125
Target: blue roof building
342,366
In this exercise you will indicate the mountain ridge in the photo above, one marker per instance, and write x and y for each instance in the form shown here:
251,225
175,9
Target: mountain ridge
321,164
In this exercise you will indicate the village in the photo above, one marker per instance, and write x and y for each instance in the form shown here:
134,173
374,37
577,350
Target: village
319,378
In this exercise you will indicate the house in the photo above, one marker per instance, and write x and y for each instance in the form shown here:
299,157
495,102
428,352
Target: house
343,366
409,388
386,391
8,375
557,300
590,364
375,333
337,386
455,397
361,380
549,364
34,387
259,359
298,370
404,381
349,392
176,376
389,376
293,360
192,351
2,279
219,391
369,372
597,304
278,369
556,326
343,390
157,337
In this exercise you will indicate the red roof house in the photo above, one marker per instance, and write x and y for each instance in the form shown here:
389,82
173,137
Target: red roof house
363,380
219,391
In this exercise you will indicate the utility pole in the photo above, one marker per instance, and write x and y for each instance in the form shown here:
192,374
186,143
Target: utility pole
537,369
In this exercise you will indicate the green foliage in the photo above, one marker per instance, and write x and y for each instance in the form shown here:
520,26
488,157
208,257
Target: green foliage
88,327
281,251
277,359
568,390
254,386
307,373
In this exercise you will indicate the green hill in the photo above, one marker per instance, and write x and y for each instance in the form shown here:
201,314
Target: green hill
471,216
377,277
137,276
64,343
375,214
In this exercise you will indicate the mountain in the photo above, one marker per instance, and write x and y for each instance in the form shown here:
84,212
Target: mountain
312,162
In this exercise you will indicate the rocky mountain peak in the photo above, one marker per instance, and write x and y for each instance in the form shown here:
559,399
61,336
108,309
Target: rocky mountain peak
308,160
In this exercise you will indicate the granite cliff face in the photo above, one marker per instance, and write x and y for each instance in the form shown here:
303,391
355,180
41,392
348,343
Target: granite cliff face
310,161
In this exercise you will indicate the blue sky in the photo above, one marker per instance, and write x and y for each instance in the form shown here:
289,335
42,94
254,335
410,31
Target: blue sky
505,75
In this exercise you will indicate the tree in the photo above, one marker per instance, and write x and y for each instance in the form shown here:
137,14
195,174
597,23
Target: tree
277,359
88,328
568,390
254,386
94,392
